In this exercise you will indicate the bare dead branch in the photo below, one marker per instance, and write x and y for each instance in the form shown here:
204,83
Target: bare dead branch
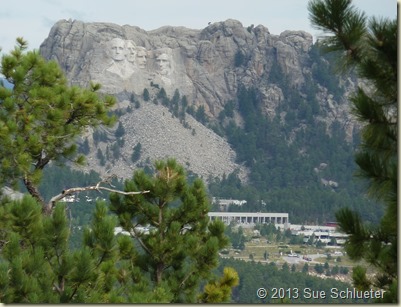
98,187
186,278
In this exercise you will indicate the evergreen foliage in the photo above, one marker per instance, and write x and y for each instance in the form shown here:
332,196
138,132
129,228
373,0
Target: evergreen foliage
370,47
236,238
100,156
120,131
254,275
146,95
162,95
220,290
99,136
172,263
181,247
136,102
200,115
283,159
41,117
136,154
169,264
239,58
58,178
43,270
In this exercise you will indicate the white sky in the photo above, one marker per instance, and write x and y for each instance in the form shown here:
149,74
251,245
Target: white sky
34,19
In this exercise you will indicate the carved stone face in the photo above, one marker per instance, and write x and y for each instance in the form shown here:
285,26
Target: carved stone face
163,63
131,51
117,49
141,58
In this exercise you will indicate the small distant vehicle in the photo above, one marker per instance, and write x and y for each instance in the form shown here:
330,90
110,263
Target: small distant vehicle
307,258
293,255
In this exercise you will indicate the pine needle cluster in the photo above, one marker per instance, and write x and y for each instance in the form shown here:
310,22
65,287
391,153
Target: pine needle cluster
369,46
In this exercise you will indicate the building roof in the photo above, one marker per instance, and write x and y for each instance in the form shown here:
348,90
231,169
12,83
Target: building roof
248,214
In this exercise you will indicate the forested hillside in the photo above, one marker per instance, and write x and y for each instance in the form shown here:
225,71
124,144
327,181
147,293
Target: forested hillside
298,163
255,275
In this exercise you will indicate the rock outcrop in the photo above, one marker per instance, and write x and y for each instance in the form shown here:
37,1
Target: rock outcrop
162,136
207,66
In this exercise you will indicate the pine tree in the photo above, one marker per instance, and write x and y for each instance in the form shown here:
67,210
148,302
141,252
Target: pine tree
41,117
37,266
181,246
305,268
120,131
136,153
146,95
370,47
220,291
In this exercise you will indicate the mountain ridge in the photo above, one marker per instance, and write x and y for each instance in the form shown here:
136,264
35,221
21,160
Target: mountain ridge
270,107
207,66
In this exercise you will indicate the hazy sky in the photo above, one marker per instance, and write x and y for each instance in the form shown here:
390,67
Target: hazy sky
34,19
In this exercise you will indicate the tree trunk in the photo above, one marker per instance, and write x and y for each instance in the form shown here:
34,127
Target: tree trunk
160,265
159,273
33,190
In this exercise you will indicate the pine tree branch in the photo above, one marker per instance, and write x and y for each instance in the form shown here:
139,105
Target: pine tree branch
33,190
135,236
186,278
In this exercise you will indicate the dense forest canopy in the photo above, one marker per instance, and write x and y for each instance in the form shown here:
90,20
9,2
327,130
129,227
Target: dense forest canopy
284,155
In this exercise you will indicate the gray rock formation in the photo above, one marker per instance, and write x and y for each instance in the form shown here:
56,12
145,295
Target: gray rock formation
201,63
207,66
162,136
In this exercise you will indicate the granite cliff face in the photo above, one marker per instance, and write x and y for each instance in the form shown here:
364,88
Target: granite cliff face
207,66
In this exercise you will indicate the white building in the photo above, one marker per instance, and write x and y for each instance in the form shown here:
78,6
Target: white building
323,236
225,203
252,218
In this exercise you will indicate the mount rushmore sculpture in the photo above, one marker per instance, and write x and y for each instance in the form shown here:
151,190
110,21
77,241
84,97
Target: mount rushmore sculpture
122,65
